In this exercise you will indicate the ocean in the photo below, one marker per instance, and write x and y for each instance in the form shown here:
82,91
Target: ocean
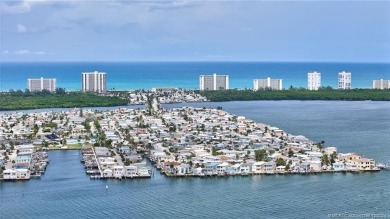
146,75
65,191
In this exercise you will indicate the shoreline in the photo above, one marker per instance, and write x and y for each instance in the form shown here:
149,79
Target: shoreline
16,101
134,106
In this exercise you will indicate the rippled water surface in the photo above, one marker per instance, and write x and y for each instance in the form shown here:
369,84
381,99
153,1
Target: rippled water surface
65,191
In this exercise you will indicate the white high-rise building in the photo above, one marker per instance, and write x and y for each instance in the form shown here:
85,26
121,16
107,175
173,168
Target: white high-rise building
313,80
381,84
94,82
345,80
40,84
214,82
274,84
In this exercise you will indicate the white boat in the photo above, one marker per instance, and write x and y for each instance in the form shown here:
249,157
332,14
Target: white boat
383,166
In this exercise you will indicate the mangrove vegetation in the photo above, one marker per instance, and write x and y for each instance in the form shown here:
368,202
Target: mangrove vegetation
297,94
18,100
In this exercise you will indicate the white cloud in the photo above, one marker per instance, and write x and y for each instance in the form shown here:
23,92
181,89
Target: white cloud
27,52
167,5
22,52
20,7
5,52
21,28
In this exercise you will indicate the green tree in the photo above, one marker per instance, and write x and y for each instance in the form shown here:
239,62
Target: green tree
280,162
260,155
325,159
290,153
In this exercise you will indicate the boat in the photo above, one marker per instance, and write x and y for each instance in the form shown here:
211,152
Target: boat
383,166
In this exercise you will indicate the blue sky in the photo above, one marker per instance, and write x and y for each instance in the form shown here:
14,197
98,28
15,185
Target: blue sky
342,31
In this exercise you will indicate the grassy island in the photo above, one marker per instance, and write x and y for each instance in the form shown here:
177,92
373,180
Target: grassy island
297,94
18,100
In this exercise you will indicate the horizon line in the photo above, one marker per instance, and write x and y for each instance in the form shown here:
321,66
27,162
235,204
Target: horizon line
198,61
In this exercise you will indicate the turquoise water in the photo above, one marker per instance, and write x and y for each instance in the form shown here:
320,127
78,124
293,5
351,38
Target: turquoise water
363,127
146,75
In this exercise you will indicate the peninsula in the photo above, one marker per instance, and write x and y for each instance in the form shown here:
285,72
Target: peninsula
183,141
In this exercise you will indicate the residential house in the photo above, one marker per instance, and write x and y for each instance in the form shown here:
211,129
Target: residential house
118,171
363,163
338,166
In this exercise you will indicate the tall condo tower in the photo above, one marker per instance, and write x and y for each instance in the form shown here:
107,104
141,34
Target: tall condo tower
214,82
39,84
313,80
94,82
268,83
345,80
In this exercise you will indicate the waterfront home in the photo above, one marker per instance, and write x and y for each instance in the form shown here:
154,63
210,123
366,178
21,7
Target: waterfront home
118,171
22,174
222,168
234,169
363,163
245,169
210,168
170,166
9,174
183,169
338,166
269,167
304,167
144,172
280,169
15,174
258,167
107,173
130,171
315,165
350,166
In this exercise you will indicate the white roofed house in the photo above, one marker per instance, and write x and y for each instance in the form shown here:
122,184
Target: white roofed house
338,166
234,169
269,167
258,167
107,173
9,174
119,171
130,171
222,168
245,169
183,169
22,174
280,169
315,165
